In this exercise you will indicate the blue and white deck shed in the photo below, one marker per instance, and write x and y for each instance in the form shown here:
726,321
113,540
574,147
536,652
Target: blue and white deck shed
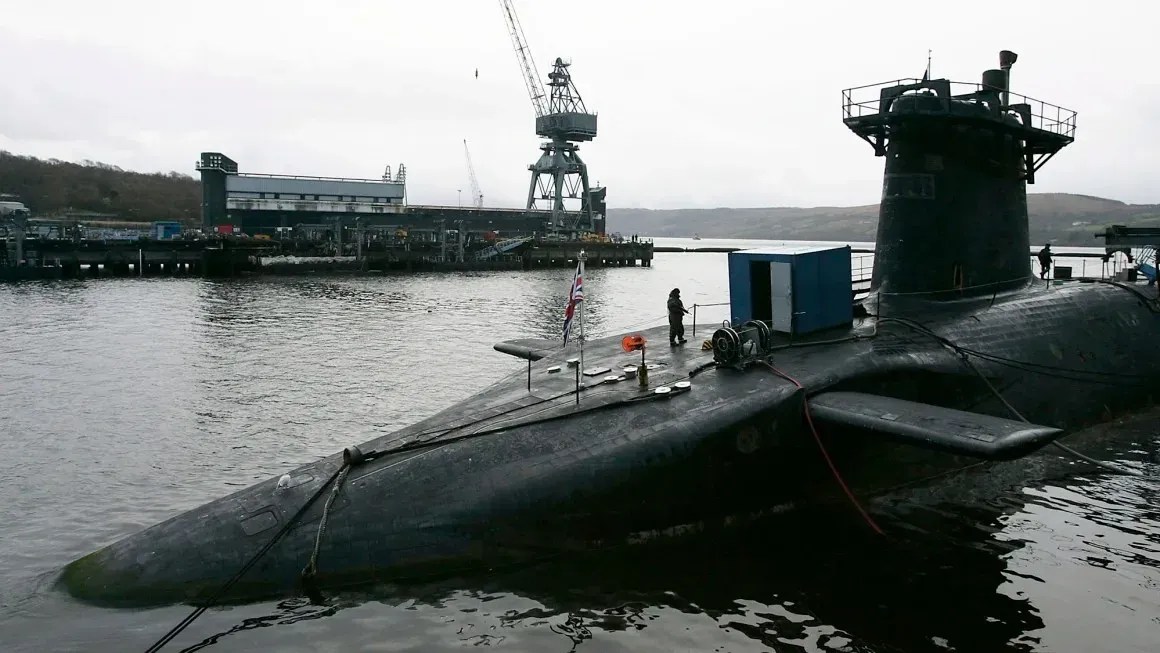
797,289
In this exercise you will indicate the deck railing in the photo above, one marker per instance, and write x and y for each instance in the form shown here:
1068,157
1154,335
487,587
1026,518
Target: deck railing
1092,266
865,101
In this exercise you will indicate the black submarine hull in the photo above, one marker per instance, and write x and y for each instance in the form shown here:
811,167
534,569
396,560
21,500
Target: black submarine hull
511,475
959,355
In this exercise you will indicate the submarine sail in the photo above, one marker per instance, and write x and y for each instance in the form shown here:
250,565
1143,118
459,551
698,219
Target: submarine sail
953,214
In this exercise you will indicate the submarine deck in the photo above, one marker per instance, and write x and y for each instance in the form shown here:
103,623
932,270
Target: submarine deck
551,387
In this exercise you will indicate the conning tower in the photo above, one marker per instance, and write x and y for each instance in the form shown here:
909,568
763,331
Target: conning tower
953,218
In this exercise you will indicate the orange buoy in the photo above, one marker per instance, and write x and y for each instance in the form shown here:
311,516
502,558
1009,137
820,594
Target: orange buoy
632,343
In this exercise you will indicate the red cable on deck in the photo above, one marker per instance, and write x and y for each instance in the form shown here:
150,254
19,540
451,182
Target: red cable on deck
822,447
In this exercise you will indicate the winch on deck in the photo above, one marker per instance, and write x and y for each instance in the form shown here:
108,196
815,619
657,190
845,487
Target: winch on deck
746,343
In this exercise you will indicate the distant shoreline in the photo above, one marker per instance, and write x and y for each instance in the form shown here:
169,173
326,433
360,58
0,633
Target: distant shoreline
1057,218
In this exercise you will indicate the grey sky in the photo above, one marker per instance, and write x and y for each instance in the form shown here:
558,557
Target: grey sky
701,103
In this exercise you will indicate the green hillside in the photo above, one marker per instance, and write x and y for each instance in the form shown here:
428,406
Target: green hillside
52,187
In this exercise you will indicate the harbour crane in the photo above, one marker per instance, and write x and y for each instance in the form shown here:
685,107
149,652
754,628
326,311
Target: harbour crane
524,53
476,193
562,118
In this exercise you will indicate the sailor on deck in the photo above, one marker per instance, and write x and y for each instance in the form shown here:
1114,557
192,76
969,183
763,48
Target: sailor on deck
1044,261
676,322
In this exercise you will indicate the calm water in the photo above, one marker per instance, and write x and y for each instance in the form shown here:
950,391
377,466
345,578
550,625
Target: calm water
125,401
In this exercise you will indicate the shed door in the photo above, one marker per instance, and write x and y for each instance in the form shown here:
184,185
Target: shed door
781,295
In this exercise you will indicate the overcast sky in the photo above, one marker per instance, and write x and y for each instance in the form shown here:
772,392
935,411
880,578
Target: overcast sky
701,104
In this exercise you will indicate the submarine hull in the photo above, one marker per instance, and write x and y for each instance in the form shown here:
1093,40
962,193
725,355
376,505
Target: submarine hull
512,474
960,355
531,490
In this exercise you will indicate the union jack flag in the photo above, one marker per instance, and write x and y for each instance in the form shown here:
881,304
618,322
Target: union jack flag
575,296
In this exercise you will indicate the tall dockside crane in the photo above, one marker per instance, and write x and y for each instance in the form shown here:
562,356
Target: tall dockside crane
562,118
476,193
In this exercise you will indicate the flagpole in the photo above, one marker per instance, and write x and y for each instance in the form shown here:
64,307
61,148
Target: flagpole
582,258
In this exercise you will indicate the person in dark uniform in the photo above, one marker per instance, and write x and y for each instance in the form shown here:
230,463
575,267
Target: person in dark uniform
676,322
1044,261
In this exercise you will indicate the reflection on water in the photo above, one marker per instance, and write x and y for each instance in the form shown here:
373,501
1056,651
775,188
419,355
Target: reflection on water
128,400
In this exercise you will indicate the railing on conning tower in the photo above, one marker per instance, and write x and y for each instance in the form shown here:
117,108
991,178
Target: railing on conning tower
866,101
1043,128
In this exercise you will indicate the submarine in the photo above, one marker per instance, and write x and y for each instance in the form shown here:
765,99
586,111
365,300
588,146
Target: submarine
807,396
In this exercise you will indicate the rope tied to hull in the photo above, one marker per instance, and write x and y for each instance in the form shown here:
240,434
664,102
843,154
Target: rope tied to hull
311,568
351,457
217,596
1117,469
964,356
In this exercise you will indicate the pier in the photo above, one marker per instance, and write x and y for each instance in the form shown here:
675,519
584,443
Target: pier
64,259
254,223
230,257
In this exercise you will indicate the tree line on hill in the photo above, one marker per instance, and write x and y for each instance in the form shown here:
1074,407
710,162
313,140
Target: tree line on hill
54,188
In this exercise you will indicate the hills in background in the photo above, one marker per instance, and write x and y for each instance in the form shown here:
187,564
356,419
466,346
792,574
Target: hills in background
1060,218
52,187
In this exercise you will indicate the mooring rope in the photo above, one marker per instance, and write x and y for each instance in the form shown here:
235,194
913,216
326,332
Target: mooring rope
964,356
311,568
216,596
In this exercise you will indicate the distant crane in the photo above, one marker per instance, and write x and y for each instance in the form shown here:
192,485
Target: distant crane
561,116
476,193
399,178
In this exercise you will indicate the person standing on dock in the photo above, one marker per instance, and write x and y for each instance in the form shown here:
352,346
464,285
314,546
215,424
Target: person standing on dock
677,313
1044,261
